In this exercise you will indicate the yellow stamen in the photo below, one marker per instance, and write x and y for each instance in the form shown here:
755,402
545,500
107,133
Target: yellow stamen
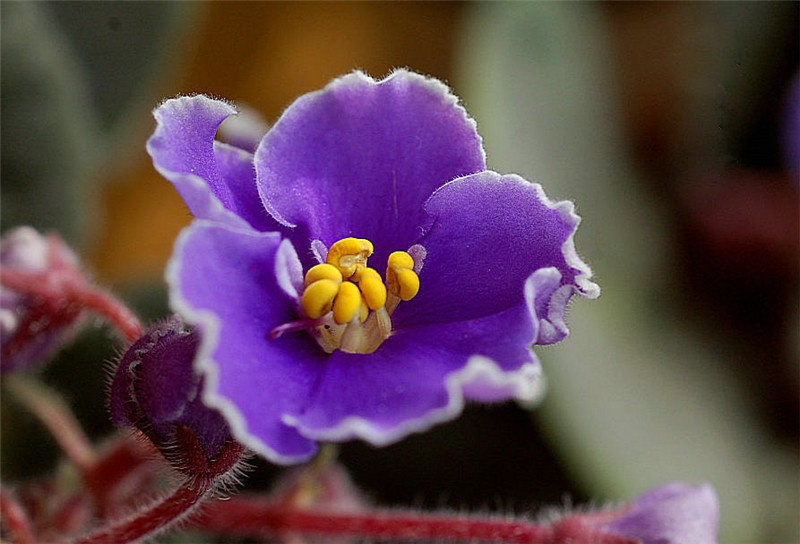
350,256
400,259
323,272
372,287
403,282
318,298
347,304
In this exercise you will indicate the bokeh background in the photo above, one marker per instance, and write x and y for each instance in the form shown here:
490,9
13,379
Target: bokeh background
669,124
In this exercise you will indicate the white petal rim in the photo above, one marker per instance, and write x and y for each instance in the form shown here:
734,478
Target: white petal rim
523,383
204,362
357,76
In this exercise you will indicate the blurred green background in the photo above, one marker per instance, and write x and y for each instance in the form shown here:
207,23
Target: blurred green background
662,121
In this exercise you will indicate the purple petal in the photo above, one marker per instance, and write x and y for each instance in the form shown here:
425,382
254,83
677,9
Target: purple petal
673,513
360,158
216,180
486,235
244,130
235,285
418,378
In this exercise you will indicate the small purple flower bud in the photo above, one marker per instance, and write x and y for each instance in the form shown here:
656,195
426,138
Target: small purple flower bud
33,326
156,390
672,513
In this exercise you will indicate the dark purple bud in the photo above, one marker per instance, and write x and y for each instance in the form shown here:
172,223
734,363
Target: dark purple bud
156,390
35,320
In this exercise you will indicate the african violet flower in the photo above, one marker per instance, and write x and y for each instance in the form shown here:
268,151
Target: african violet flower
360,175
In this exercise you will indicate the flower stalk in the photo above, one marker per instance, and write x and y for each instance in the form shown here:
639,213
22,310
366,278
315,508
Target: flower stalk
158,517
78,294
57,418
259,517
253,517
15,519
122,462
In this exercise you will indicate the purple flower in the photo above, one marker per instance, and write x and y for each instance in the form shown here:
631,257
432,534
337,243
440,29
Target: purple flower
673,513
33,327
387,174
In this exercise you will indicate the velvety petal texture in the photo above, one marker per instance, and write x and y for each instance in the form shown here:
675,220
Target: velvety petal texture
361,157
226,281
485,235
416,378
396,161
216,180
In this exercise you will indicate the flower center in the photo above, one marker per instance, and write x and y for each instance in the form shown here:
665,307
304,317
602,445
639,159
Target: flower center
346,303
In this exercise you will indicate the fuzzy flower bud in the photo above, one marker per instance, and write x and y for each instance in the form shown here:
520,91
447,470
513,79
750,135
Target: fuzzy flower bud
33,326
156,390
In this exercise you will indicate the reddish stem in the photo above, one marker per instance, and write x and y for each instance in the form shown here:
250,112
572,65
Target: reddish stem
73,291
57,418
15,519
156,518
105,474
243,517
121,471
114,311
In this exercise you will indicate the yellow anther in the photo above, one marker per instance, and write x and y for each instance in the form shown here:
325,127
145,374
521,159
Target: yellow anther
400,259
363,311
350,255
347,304
372,287
318,298
403,282
323,272
407,284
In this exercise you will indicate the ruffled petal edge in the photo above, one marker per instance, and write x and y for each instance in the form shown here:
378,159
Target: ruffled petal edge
553,327
205,364
522,383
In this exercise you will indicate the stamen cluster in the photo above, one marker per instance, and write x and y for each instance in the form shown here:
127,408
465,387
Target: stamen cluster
344,290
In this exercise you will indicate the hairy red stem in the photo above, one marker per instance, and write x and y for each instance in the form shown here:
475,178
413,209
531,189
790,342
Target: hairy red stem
114,311
242,516
156,518
76,292
15,519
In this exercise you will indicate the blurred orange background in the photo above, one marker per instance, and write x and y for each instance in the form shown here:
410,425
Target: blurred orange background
263,54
